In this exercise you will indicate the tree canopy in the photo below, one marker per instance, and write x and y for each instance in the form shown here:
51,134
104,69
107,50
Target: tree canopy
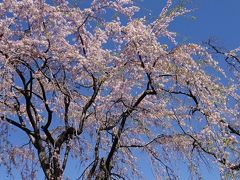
98,86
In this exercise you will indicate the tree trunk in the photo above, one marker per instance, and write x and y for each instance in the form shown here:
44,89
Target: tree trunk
53,172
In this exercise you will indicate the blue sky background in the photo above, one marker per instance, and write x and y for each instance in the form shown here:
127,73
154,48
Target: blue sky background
218,19
215,19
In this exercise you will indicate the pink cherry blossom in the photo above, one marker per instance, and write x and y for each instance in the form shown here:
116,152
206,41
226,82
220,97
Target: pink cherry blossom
103,91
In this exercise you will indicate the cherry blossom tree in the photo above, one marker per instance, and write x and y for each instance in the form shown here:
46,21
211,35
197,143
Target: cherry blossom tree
84,85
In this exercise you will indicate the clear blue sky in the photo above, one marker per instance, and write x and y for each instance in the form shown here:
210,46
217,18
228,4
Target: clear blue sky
218,19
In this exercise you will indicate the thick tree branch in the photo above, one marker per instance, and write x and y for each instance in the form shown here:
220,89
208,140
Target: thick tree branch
20,126
123,118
